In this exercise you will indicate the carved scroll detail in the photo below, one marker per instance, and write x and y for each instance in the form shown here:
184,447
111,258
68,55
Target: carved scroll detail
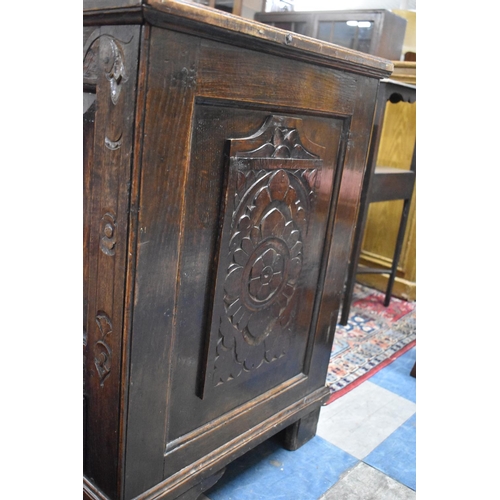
102,350
112,59
270,218
108,234
113,145
285,143
114,68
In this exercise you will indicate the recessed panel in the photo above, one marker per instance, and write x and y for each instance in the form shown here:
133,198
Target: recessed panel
257,214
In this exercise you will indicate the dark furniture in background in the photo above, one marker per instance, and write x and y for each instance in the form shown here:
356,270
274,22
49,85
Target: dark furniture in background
377,32
223,161
231,6
381,183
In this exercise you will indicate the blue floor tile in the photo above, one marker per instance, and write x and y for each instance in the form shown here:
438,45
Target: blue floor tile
270,472
396,456
396,377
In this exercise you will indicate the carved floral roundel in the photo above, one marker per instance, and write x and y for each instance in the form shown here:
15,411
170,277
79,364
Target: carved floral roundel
265,256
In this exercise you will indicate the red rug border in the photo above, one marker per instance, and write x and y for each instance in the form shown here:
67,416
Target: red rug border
369,374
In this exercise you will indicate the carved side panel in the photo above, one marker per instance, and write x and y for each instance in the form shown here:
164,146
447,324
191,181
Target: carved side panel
270,202
110,58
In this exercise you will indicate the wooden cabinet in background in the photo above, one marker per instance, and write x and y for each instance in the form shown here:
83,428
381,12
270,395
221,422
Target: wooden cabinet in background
231,6
223,162
377,32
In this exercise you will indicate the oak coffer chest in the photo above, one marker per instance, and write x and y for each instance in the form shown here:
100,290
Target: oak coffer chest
223,162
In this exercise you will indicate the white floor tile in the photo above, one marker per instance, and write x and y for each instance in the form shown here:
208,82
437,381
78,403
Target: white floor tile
360,420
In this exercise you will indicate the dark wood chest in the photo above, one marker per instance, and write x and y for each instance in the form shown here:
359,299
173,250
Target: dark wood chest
223,161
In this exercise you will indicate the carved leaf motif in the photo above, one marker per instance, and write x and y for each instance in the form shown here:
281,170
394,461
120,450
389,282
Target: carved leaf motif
273,224
279,184
102,351
225,368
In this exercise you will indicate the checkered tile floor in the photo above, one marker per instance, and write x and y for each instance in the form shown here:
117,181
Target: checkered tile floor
364,449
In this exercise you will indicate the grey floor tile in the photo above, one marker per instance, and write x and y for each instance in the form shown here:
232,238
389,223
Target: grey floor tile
361,421
362,482
364,395
360,402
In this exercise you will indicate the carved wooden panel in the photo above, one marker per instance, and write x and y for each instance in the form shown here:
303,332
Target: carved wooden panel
269,209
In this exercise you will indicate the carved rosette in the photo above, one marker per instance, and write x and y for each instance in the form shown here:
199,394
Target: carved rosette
186,78
269,220
108,234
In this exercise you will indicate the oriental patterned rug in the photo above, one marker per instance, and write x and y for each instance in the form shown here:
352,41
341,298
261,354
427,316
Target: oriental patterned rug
373,337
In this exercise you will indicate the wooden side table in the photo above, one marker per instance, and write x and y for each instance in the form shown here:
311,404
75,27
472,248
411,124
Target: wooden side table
381,184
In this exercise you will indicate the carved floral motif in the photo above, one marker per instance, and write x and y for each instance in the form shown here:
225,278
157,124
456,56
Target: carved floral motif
185,78
265,261
108,235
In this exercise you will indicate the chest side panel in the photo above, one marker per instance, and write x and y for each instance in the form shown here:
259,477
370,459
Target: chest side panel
246,157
